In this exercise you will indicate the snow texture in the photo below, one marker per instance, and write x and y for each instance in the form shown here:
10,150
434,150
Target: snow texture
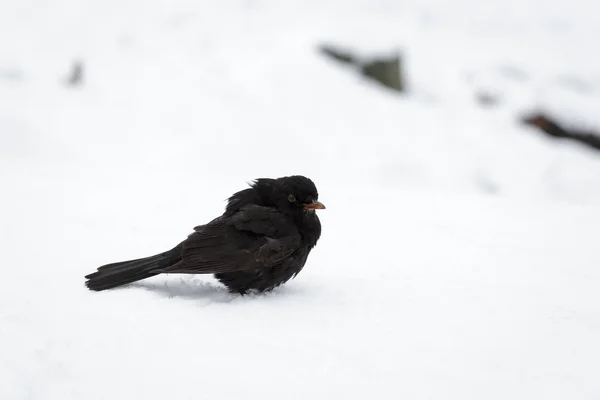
459,251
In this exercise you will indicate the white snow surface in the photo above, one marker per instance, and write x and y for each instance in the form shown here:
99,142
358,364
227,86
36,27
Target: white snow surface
459,256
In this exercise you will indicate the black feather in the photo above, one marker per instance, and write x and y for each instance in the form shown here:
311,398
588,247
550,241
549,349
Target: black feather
261,241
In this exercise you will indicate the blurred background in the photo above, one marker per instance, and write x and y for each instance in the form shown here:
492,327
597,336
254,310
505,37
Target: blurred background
455,144
157,92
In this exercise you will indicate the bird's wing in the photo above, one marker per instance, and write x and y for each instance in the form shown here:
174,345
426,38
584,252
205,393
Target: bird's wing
251,238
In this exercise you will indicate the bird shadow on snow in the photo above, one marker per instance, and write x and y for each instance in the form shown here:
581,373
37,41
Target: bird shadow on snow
188,289
198,290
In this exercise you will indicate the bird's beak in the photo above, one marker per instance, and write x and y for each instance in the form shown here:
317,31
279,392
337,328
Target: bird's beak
314,205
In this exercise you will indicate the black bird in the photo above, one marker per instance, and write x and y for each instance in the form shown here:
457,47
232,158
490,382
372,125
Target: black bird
260,242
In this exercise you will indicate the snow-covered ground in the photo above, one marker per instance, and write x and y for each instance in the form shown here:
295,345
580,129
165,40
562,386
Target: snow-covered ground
459,251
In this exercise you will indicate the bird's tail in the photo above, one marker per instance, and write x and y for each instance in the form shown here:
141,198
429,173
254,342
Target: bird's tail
120,273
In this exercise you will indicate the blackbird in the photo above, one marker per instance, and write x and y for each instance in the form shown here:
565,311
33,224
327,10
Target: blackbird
260,242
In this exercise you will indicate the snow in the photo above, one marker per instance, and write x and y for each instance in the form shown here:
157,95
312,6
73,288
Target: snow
459,250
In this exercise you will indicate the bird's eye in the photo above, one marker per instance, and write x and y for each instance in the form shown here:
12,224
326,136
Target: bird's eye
291,198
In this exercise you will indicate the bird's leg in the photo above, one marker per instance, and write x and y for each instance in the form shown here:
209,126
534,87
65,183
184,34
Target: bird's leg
266,249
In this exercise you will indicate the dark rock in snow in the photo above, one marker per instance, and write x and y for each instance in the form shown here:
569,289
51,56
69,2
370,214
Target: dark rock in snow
553,129
385,70
76,74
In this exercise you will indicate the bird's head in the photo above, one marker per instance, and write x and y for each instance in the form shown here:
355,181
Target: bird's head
290,194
